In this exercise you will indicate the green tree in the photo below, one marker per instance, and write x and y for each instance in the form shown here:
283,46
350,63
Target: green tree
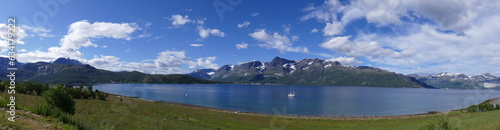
497,107
59,97
34,88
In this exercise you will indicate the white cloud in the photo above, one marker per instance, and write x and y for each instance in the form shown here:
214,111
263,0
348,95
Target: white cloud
167,62
255,14
39,31
22,50
426,36
206,62
295,38
179,20
456,16
360,49
104,61
314,30
244,24
205,32
79,35
382,13
286,28
171,59
346,60
196,45
242,46
333,28
276,41
20,34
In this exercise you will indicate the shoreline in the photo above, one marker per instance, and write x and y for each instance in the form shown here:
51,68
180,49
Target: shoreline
493,101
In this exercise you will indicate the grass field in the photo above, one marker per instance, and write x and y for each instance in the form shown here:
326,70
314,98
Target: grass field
130,113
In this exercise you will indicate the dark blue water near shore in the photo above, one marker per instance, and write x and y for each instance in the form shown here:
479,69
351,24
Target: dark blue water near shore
309,100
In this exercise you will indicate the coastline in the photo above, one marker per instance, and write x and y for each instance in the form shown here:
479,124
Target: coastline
493,100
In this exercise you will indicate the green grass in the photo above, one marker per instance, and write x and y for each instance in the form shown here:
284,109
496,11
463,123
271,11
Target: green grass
138,114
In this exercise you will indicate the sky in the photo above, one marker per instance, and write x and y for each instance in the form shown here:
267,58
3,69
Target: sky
179,36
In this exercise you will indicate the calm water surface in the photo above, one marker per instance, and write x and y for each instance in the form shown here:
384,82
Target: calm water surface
308,100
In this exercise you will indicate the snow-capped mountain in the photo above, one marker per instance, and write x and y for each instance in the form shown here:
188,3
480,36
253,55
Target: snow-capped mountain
310,72
460,81
202,73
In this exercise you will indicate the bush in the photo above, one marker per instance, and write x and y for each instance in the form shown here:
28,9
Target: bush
497,107
58,97
482,107
46,110
101,95
440,124
472,108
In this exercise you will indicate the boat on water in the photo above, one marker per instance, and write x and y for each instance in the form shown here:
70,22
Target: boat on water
291,95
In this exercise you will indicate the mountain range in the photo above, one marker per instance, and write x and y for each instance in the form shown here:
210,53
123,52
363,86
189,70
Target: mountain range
72,72
308,72
447,80
279,71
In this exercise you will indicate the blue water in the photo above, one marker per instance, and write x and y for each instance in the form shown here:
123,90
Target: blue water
309,100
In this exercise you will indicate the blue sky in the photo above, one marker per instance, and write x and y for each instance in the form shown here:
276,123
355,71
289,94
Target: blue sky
410,36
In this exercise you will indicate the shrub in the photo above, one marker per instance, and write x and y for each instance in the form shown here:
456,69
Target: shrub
440,124
497,107
58,97
486,107
472,108
46,110
101,95
482,107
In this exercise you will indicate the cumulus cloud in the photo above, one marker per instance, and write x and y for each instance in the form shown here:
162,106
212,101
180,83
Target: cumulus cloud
426,36
179,20
244,24
276,41
101,61
167,62
196,45
333,28
457,16
171,59
20,35
359,49
242,46
206,62
346,60
205,32
79,35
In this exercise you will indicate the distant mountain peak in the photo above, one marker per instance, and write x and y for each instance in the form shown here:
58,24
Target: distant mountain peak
67,61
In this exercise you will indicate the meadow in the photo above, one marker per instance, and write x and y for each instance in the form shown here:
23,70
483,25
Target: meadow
118,112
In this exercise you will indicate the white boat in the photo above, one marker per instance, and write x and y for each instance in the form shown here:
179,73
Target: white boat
291,95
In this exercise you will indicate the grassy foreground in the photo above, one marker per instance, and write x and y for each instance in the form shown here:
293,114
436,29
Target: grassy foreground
129,113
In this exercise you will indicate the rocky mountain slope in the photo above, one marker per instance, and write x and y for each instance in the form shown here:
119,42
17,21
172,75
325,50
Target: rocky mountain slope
460,81
72,72
312,72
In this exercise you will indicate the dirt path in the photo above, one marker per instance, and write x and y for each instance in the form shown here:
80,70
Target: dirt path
27,120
